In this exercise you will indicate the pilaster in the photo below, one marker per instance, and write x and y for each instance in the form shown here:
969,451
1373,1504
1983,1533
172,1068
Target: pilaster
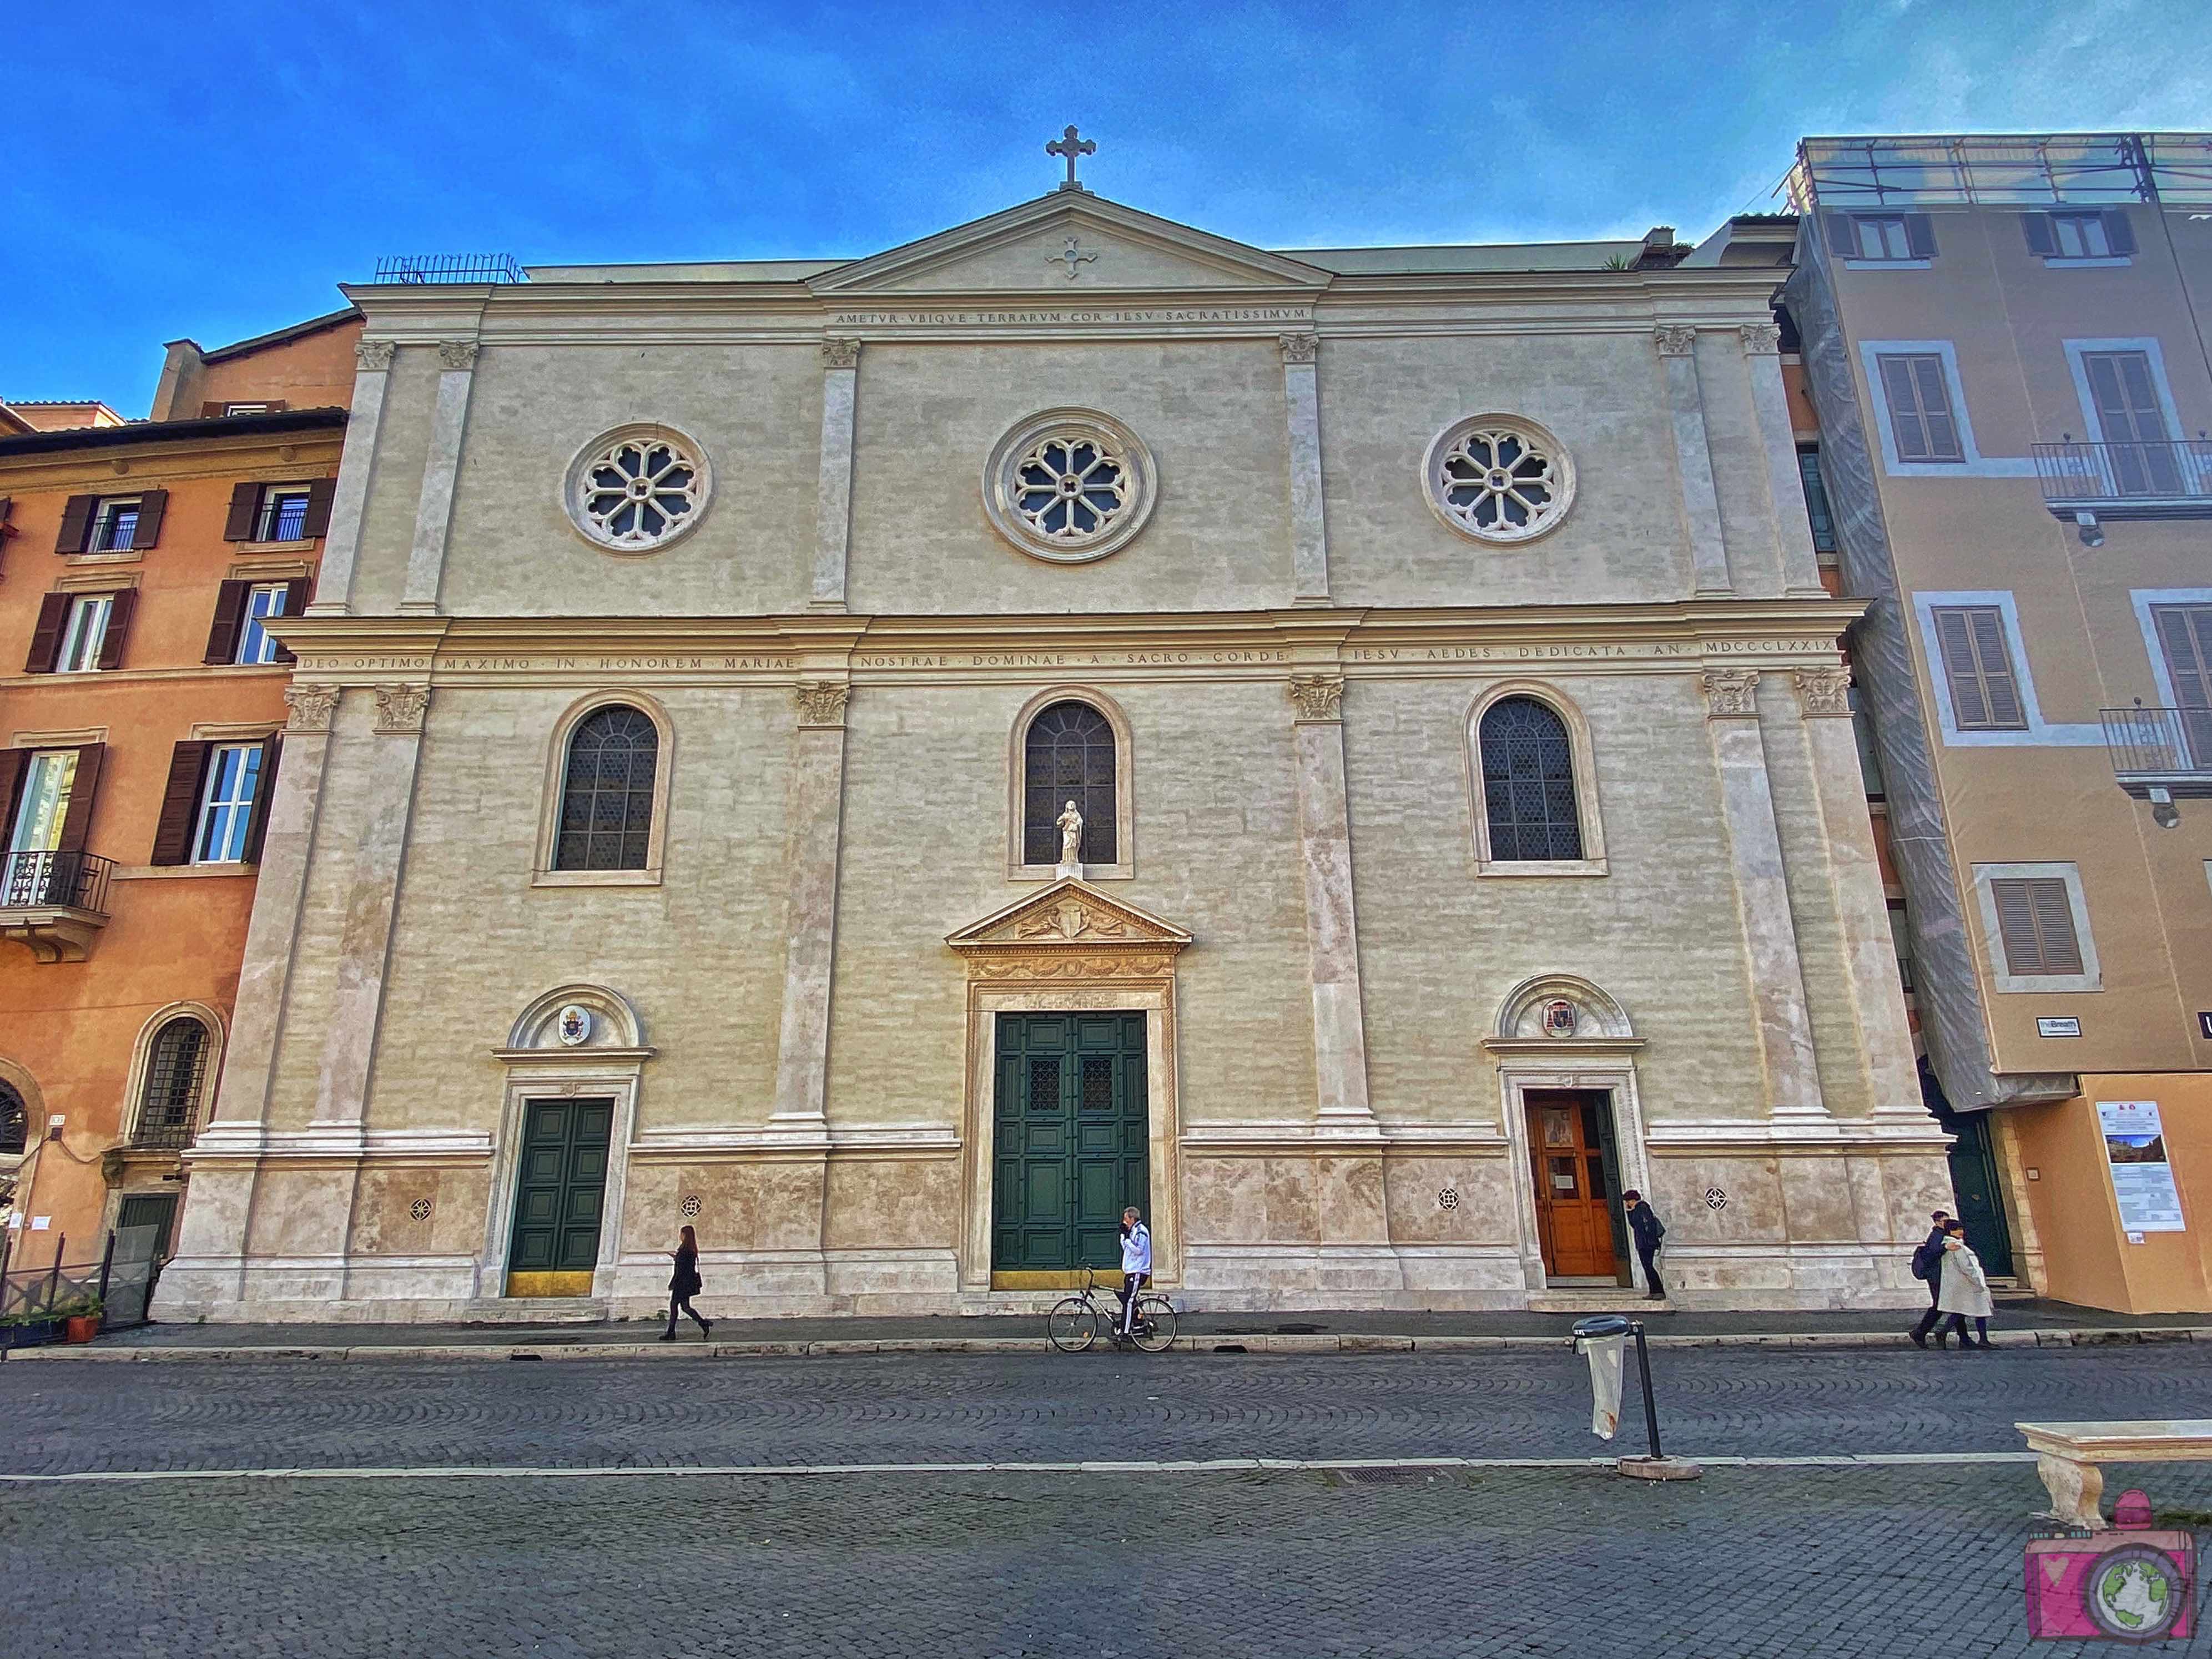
1800,564
1777,976
211,1241
814,817
372,901
433,510
1701,506
1885,1039
356,467
1309,522
833,511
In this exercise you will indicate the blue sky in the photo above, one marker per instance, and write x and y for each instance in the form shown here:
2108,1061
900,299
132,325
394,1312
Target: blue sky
212,169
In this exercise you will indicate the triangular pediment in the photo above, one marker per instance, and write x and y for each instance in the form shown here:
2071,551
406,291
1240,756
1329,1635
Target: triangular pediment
1069,913
1025,250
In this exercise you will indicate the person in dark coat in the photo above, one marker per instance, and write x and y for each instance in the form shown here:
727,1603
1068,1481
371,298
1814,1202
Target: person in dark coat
1928,1264
684,1283
1648,1230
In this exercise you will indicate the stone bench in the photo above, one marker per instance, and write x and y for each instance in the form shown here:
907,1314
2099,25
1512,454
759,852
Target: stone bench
2067,1454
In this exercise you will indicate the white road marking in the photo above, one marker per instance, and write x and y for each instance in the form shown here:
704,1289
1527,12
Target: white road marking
1205,1466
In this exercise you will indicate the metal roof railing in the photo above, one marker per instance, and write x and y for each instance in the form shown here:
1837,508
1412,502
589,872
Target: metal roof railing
414,268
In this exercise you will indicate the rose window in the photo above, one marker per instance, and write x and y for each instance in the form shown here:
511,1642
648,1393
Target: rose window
1068,485
637,489
1068,489
1499,479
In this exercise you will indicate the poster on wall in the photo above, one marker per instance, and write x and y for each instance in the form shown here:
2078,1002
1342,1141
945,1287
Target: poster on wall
2142,1180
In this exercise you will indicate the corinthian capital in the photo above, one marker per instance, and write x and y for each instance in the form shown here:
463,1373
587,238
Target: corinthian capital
1675,340
822,702
840,354
1299,348
1316,697
1731,693
457,354
374,357
1823,691
1760,339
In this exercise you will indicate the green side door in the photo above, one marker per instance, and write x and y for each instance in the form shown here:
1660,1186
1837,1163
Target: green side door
1072,1139
561,1187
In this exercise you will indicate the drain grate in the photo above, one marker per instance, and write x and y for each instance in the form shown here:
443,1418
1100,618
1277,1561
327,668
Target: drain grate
1384,1477
1300,1330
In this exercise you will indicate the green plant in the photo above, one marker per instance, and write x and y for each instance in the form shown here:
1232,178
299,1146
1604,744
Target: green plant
1618,262
86,1306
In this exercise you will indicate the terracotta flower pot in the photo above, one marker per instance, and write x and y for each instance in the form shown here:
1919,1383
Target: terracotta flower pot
81,1327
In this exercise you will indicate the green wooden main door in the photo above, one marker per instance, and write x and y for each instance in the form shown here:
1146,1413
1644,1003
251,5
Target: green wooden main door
560,1189
1072,1140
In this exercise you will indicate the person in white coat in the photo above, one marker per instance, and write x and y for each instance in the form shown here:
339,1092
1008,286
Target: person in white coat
1965,1290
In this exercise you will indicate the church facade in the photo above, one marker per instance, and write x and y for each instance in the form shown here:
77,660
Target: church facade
887,760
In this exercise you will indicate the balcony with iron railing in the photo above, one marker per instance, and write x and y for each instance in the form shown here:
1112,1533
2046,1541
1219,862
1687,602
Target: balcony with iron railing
2088,483
2160,755
55,904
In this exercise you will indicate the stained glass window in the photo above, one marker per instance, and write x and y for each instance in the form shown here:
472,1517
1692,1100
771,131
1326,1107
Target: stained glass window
1068,756
1528,782
607,795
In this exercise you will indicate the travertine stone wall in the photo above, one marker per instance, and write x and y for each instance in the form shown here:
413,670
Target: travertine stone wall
800,1005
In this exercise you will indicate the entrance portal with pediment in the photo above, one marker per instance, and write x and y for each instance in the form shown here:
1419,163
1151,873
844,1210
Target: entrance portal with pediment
1072,1108
1071,1141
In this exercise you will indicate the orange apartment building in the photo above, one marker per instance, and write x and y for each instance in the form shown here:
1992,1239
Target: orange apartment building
2006,388
142,705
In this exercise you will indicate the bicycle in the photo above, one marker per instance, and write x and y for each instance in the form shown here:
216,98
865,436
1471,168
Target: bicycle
1077,1320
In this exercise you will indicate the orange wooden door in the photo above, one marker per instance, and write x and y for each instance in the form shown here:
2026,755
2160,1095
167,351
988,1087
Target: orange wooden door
1574,1209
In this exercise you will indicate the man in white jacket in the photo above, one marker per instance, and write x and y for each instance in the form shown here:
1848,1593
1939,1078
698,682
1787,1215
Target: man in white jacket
1136,1264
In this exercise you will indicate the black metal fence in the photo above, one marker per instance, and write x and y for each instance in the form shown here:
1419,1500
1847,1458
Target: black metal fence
2168,747
36,1296
450,268
2102,474
75,879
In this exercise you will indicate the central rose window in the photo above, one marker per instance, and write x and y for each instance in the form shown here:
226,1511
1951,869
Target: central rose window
1068,485
637,489
1499,478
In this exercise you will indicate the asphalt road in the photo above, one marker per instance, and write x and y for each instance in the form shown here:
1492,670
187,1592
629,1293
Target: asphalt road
1885,1560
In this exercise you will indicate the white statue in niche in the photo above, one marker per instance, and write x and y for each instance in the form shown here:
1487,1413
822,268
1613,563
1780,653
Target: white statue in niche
1071,840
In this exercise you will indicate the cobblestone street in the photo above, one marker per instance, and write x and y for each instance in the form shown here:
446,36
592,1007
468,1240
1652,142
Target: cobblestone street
1894,1560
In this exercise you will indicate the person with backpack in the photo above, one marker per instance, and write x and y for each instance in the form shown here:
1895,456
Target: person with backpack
1645,1224
1966,1292
684,1283
1928,1265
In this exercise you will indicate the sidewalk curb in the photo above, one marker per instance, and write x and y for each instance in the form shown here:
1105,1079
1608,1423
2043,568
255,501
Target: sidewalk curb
1223,1342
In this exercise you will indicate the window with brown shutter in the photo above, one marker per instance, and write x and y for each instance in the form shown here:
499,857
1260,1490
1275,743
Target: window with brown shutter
320,494
76,820
265,791
121,607
1919,397
1978,668
152,504
245,503
180,804
297,593
230,611
2035,922
13,762
47,633
76,524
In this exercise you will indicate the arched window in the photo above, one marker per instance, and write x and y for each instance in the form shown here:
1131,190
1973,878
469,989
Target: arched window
606,791
1068,756
176,1071
14,1121
1529,783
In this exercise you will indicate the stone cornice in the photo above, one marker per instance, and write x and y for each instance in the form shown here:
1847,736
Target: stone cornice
1688,635
158,462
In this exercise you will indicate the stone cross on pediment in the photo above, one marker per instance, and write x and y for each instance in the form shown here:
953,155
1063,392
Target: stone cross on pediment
1071,145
